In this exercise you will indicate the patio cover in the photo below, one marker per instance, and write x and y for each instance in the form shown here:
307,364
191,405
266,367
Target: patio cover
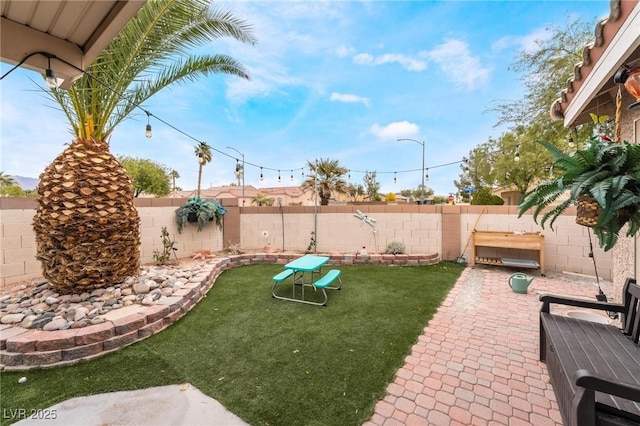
73,30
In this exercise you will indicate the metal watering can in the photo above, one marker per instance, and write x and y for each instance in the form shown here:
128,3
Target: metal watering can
519,282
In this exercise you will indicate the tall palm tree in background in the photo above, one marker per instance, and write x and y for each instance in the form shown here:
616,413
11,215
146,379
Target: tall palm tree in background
326,176
204,155
87,228
173,174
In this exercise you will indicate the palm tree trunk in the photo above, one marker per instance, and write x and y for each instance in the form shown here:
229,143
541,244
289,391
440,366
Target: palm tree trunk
199,179
87,228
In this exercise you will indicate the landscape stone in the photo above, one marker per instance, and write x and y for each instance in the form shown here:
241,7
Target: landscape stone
36,308
55,324
141,288
12,318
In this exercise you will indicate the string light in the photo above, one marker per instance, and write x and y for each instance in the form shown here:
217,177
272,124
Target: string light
50,76
52,82
147,132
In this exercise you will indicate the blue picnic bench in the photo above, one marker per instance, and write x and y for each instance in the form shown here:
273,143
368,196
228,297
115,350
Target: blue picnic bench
296,270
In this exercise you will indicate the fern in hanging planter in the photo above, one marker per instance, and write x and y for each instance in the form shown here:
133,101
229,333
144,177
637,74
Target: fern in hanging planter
200,211
603,179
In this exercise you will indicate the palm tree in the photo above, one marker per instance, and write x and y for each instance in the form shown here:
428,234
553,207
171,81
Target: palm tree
6,180
327,177
204,155
262,200
173,174
87,228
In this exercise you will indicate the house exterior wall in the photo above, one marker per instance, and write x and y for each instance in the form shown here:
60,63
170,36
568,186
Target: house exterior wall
441,229
627,251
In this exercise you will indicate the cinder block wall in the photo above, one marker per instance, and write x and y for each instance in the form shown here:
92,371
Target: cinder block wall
18,243
441,229
17,240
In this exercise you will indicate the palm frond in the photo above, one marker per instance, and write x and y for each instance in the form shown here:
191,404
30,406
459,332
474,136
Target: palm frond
152,51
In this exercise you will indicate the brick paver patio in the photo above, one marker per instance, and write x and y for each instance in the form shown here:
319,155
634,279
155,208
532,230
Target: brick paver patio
476,362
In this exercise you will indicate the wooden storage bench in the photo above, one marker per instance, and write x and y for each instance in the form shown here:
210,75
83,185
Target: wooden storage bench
504,239
594,368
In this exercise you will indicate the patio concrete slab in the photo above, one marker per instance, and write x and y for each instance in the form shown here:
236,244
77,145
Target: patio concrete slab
174,405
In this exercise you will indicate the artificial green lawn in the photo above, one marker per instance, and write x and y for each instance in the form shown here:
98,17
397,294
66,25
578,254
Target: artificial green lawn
272,362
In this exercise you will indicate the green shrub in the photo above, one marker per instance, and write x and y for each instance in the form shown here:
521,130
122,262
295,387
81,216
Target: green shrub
395,247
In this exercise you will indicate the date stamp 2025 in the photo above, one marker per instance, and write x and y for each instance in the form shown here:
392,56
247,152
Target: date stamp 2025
23,413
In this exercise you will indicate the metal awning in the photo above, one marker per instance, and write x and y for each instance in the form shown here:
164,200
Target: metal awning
75,31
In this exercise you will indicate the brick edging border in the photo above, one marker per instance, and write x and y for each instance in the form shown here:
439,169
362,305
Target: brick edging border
24,349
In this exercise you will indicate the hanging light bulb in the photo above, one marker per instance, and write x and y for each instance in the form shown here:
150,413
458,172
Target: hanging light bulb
50,76
261,175
147,132
630,78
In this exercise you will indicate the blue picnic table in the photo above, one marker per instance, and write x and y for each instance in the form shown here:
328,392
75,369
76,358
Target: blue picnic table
302,271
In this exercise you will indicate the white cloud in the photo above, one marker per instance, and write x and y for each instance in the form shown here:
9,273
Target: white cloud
396,130
343,51
457,63
348,98
407,62
526,43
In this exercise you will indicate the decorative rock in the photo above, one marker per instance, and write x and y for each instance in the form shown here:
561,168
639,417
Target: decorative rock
40,308
55,324
80,313
51,300
28,321
39,323
141,288
37,308
12,318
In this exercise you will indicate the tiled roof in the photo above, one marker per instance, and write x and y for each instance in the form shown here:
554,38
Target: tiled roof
603,101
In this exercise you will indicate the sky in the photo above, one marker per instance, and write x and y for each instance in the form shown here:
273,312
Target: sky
329,80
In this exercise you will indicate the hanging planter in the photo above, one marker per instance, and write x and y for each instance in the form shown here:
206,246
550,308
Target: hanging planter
588,211
602,180
200,211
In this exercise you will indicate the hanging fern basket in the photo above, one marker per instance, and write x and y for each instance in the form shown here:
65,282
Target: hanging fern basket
588,211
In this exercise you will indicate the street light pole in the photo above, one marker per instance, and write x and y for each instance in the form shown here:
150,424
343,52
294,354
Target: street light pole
242,155
422,187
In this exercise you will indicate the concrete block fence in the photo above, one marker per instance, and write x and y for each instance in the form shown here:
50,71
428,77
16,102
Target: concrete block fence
443,229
